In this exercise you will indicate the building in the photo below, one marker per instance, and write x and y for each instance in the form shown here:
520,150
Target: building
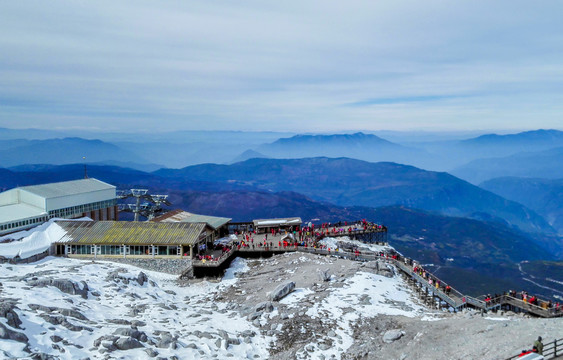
132,239
282,224
219,224
28,206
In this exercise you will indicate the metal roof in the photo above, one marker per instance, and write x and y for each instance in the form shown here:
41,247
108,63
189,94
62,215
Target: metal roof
277,222
67,188
132,233
14,212
184,216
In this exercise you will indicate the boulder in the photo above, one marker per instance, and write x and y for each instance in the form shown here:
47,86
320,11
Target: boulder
324,275
7,311
64,285
282,290
135,334
392,335
254,316
151,352
8,334
142,278
127,343
266,306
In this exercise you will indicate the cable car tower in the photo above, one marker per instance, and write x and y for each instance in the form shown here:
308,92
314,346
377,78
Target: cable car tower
146,205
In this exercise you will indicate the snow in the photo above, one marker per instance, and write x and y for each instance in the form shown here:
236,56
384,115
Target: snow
332,243
34,241
180,311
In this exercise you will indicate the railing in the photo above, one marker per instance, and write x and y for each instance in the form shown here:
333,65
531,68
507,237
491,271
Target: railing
550,350
213,262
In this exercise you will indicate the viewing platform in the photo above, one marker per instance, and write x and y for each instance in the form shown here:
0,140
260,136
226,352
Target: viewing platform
433,295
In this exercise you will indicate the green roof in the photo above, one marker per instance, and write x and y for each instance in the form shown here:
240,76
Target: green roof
132,233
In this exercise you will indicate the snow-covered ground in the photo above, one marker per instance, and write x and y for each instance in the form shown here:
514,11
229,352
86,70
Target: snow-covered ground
75,309
33,241
115,296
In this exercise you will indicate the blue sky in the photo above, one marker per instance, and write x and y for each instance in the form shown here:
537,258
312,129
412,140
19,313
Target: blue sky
281,66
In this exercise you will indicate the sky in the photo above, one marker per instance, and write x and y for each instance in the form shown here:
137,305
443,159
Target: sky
299,66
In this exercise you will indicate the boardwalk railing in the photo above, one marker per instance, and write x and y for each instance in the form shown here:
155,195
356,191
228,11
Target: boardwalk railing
550,350
453,298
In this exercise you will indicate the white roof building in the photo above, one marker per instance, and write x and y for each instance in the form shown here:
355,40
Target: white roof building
27,206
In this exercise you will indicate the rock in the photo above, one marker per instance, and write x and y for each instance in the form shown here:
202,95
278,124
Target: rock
392,335
135,334
284,316
64,285
191,346
119,321
324,275
8,334
218,343
56,338
324,347
310,348
282,290
248,333
7,311
254,316
233,341
63,311
151,352
128,343
331,333
165,340
99,340
266,306
204,334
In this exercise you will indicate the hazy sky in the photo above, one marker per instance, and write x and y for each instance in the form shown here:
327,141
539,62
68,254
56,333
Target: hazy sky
281,65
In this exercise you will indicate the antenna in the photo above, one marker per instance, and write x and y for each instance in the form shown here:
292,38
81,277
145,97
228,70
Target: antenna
85,170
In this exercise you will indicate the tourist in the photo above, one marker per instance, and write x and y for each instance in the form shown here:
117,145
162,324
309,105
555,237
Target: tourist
539,345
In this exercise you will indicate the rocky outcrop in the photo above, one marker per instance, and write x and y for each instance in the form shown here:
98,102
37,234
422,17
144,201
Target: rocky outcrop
127,343
66,286
282,290
392,335
266,306
66,312
8,334
7,307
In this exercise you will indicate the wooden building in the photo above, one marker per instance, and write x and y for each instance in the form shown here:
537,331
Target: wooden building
132,239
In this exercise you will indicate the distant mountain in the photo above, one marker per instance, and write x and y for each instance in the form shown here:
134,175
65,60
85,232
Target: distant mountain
453,154
357,146
248,154
477,256
544,139
349,182
544,196
61,151
543,164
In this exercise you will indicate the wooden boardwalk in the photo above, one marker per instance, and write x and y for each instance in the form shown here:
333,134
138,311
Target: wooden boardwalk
434,296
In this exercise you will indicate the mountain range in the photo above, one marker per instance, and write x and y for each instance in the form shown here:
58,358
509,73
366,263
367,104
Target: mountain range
545,196
349,182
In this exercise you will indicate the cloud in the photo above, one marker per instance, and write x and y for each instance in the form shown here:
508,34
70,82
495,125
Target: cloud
281,66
